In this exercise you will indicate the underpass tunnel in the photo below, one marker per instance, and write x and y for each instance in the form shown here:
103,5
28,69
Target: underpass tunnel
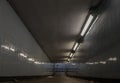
59,41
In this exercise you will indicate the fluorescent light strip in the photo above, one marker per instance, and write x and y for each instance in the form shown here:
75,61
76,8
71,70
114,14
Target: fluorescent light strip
36,62
23,55
113,59
75,46
87,25
110,59
12,49
71,54
92,24
5,47
96,63
68,60
31,59
90,63
8,48
103,62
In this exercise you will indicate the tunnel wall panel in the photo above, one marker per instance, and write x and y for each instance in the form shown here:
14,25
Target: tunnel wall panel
16,39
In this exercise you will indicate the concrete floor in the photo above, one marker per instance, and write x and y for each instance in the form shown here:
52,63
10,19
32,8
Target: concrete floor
55,79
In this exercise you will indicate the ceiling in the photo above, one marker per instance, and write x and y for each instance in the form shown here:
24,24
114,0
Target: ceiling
56,25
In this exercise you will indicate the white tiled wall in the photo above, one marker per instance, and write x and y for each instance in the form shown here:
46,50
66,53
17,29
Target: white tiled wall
16,39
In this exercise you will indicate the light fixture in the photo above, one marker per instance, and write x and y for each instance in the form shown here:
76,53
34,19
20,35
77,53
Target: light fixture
71,55
93,24
5,47
68,59
112,59
89,63
92,63
8,48
96,63
87,24
12,49
36,62
23,55
31,59
75,46
102,62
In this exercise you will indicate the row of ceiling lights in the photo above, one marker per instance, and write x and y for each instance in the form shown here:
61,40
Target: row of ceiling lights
91,19
12,49
113,59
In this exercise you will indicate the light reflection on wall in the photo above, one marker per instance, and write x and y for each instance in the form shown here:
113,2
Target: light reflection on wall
12,48
111,59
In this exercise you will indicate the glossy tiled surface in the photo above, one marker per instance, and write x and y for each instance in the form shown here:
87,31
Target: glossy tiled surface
17,45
